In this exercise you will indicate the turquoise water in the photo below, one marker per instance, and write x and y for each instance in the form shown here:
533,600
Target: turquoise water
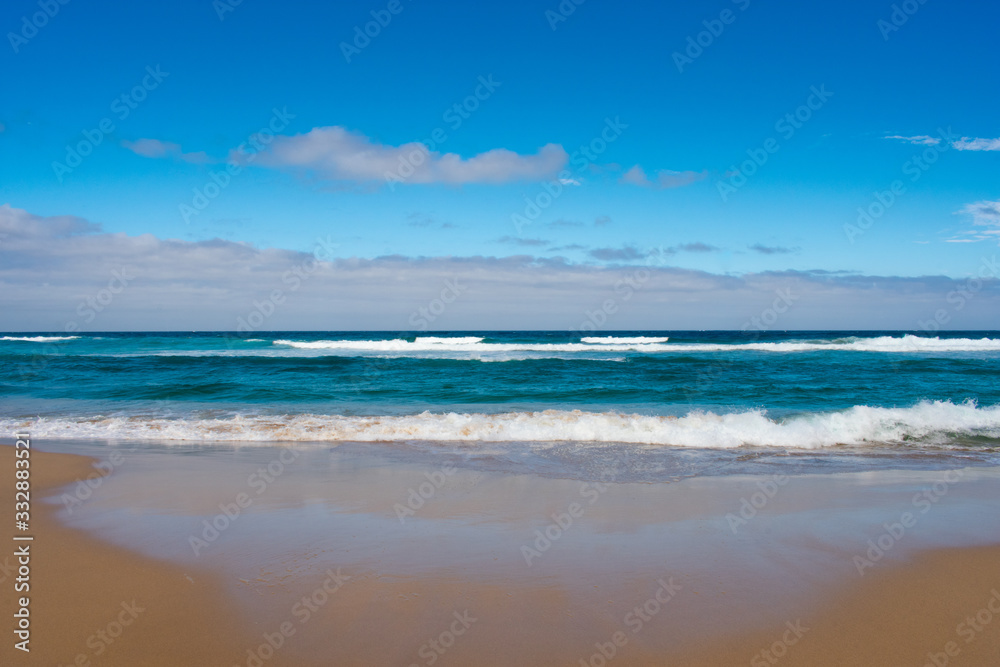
705,390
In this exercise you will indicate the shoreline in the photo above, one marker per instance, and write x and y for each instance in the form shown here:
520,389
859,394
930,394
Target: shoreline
372,613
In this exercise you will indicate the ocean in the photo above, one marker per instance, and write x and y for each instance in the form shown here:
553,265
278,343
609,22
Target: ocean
647,405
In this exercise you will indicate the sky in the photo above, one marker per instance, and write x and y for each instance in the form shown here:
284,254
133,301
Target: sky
564,164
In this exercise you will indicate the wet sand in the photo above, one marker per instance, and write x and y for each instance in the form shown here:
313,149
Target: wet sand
581,603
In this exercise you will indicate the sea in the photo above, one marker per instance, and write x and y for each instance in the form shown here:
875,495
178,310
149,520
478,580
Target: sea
622,405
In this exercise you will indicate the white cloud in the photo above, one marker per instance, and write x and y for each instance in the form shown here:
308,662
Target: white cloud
963,144
154,148
986,213
337,154
977,144
635,176
665,178
920,139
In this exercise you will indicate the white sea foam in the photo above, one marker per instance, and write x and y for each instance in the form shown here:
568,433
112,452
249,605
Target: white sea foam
892,344
610,340
38,339
430,344
936,422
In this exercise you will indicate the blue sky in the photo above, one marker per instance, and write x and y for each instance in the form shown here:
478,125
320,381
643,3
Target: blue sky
548,83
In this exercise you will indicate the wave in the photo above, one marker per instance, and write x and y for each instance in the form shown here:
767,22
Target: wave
903,344
38,339
926,423
457,340
609,340
463,345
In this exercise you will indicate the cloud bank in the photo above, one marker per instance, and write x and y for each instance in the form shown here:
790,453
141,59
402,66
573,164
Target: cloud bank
55,271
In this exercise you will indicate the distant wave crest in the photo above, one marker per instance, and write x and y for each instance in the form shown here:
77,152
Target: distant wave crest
38,339
642,344
611,340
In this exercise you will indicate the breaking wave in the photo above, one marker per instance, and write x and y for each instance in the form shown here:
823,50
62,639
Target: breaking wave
926,423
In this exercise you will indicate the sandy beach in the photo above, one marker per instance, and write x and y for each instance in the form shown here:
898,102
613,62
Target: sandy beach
519,334
289,603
